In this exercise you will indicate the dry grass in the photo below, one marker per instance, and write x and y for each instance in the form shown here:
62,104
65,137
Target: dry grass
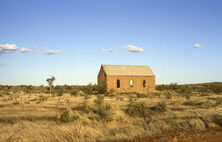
43,117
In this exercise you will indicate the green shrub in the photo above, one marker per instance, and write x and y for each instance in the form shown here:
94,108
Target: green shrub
119,98
67,116
217,119
99,100
74,92
60,92
207,88
104,112
161,87
186,92
173,86
26,102
88,89
28,89
137,109
43,98
192,103
202,89
168,95
159,107
157,94
205,104
188,96
110,93
87,96
218,102
81,93
32,100
216,88
7,93
138,95
204,94
15,103
84,107
101,89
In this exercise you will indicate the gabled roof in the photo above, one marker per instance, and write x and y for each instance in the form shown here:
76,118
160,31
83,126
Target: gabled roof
127,70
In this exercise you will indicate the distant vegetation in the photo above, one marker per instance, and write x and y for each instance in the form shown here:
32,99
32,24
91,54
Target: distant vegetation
58,89
101,89
205,87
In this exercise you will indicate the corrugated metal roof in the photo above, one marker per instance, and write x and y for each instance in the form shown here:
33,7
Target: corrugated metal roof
127,70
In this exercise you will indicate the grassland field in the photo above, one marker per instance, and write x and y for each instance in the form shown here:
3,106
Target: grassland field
72,113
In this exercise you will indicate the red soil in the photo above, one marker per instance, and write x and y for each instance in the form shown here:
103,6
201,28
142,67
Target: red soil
204,136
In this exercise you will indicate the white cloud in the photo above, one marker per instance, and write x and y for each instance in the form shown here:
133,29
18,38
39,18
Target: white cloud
25,50
51,52
108,50
8,48
133,48
197,45
11,48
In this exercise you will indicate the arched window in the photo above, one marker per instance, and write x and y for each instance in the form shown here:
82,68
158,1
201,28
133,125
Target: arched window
118,84
144,83
131,83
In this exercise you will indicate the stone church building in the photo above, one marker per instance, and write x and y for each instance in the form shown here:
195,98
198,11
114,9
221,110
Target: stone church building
127,78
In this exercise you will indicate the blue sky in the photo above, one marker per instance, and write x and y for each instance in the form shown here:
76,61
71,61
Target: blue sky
179,39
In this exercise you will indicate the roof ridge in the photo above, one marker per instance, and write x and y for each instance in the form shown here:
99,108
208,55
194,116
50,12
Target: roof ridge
122,65
128,70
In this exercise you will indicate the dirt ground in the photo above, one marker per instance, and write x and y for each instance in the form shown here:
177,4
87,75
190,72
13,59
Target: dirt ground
204,136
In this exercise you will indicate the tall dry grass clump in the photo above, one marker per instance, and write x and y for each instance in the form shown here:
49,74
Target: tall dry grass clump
103,109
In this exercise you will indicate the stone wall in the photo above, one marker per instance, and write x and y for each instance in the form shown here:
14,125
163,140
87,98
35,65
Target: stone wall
137,83
101,79
111,83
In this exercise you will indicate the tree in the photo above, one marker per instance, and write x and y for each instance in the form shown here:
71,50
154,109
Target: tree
50,82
